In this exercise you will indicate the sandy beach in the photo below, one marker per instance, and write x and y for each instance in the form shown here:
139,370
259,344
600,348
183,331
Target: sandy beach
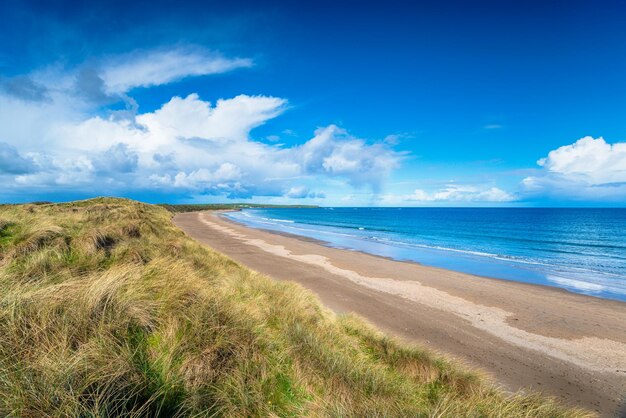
544,339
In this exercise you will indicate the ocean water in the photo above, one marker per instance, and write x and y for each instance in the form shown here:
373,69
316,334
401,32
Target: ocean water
580,250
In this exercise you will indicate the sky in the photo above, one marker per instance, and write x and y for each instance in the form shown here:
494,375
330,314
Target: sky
342,103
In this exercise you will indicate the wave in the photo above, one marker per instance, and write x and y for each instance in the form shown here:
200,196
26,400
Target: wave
348,236
396,242
318,223
501,257
279,220
270,221
592,287
469,234
577,284
497,256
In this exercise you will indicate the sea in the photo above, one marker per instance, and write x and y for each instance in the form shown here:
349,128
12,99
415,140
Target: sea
580,250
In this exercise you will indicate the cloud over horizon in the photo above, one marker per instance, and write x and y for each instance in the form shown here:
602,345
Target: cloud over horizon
452,193
186,147
587,169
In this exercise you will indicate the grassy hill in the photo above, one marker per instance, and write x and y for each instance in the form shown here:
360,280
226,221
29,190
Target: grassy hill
108,309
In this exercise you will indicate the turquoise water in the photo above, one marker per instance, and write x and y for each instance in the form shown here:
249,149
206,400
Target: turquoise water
581,250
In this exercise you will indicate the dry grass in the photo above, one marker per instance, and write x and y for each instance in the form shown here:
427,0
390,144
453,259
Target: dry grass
107,309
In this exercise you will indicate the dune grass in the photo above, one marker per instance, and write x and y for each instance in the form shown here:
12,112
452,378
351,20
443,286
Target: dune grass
107,309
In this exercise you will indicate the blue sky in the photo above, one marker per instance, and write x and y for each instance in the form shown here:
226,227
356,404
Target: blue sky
333,103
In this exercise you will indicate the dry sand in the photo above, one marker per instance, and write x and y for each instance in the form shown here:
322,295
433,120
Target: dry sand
524,336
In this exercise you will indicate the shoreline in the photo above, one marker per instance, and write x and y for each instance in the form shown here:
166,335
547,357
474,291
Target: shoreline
524,335
328,244
486,265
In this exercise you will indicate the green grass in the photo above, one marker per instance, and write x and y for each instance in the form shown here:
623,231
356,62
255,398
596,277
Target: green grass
106,309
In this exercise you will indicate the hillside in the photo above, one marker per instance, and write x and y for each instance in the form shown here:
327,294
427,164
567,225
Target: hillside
106,308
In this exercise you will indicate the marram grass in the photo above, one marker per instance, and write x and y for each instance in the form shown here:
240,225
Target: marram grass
107,309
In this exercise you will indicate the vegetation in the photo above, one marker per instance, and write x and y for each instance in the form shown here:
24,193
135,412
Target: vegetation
108,309
223,206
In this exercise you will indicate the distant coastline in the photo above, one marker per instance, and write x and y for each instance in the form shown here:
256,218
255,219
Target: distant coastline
179,208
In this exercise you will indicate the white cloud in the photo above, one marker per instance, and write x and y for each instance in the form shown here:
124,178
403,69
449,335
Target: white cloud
229,119
301,192
151,68
117,159
587,169
203,177
452,193
298,192
332,151
593,159
186,146
60,136
28,125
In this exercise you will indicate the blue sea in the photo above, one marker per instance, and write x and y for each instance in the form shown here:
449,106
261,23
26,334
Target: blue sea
580,250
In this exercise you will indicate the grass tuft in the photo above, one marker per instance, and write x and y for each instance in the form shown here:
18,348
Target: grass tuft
108,309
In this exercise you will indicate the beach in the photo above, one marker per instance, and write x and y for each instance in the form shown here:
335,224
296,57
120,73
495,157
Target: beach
545,339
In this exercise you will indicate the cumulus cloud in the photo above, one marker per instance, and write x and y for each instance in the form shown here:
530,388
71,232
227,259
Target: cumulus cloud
587,169
301,192
229,119
212,149
332,151
62,135
453,193
188,146
297,192
117,159
151,68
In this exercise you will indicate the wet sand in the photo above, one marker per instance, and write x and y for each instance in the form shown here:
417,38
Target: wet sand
524,336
